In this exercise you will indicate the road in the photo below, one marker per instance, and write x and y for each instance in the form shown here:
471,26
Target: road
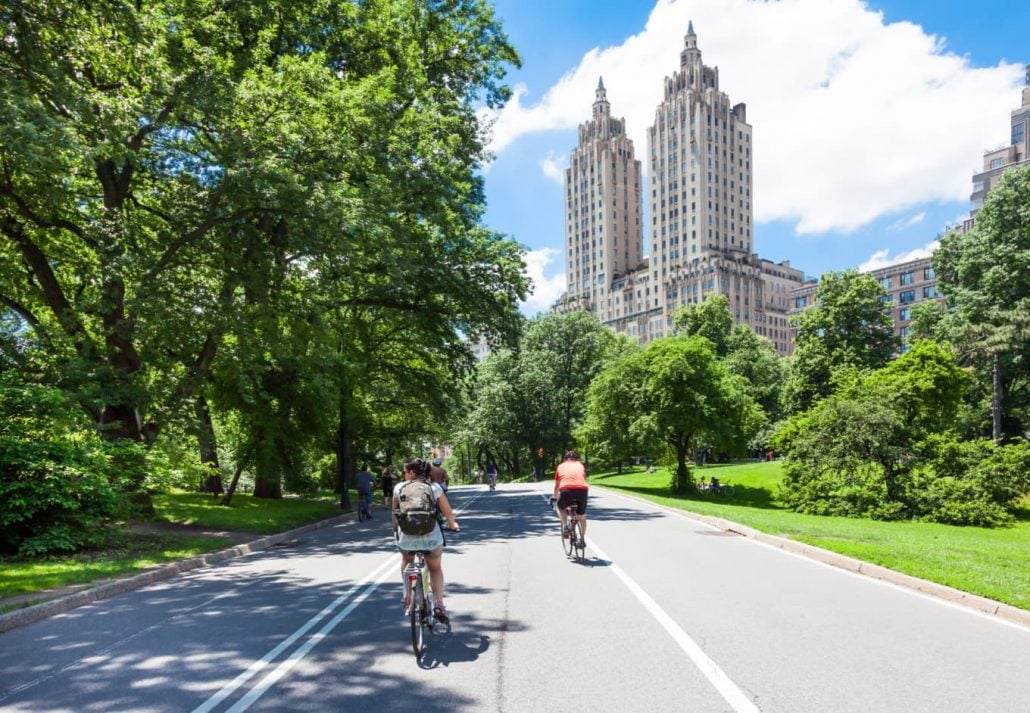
666,614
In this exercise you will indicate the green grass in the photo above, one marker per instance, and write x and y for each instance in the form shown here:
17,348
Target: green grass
247,513
991,562
128,553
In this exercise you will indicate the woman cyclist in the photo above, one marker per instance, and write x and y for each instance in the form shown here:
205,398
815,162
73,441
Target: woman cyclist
418,469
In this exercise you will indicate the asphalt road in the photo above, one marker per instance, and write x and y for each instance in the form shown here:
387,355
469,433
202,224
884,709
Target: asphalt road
666,614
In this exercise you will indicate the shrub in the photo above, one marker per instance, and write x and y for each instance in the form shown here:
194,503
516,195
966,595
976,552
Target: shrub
54,473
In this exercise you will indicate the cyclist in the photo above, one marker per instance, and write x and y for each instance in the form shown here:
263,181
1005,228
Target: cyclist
418,469
491,474
439,475
570,486
365,483
386,481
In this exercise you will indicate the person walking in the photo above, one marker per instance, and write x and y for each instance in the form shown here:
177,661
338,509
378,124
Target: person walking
386,482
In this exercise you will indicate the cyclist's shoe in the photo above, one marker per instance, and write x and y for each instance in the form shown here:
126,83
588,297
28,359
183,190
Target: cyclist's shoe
440,612
406,601
581,543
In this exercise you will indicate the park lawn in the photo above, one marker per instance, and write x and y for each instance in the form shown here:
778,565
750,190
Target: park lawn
246,513
132,551
128,553
990,562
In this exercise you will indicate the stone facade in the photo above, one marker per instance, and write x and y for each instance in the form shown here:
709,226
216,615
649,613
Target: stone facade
701,230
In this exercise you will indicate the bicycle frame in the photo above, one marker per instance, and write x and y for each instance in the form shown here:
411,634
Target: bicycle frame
421,613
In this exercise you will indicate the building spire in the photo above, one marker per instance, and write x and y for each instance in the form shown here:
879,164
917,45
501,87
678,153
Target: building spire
690,51
601,106
600,82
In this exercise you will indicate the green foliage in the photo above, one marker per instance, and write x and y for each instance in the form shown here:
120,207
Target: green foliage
875,449
54,474
710,319
983,275
847,327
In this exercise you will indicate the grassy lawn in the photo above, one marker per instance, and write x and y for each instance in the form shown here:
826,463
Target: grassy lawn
131,551
247,513
994,563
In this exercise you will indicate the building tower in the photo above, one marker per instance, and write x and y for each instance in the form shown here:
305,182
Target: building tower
699,149
603,227
997,161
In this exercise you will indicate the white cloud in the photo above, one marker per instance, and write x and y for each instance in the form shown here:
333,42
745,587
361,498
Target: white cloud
853,118
545,290
553,166
908,222
881,258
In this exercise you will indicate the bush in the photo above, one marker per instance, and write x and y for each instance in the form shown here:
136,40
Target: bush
54,473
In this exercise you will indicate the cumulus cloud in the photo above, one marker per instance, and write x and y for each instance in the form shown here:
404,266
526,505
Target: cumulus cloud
853,118
546,290
553,166
882,258
908,222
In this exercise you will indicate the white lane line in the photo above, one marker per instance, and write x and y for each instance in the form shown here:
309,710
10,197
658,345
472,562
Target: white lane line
376,577
256,667
282,669
711,670
840,570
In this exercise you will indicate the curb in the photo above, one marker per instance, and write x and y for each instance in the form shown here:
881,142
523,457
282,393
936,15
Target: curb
37,612
938,591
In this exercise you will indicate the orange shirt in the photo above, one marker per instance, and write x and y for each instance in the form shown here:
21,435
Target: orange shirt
571,475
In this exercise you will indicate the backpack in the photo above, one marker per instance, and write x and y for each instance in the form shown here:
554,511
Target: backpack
416,507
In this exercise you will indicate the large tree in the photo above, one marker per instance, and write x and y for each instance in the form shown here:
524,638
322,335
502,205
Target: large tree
847,327
985,278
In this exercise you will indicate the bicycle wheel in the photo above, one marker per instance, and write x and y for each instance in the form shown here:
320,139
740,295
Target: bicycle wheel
566,541
579,543
362,512
417,604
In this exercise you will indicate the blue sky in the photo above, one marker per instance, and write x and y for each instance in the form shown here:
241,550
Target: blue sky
869,118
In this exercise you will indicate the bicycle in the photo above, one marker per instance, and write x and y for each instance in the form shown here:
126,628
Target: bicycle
572,539
420,606
364,507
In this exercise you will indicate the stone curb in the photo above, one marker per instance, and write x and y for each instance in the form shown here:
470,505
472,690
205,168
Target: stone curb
37,612
940,591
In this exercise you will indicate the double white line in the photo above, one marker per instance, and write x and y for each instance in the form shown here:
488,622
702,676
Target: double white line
370,583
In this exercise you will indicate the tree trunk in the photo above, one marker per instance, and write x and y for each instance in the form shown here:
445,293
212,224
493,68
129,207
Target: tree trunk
207,445
235,480
996,396
343,457
682,483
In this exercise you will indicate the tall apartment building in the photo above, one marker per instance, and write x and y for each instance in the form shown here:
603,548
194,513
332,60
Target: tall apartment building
602,209
999,160
701,231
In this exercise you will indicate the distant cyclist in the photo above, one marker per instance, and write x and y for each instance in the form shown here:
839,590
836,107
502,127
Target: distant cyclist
491,474
439,475
365,483
570,486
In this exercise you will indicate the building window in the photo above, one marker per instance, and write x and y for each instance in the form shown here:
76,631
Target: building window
799,302
885,283
907,278
1017,133
929,292
907,296
905,314
997,162
929,273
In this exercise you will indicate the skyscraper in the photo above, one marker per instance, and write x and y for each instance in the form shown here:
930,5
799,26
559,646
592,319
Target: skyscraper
602,209
700,218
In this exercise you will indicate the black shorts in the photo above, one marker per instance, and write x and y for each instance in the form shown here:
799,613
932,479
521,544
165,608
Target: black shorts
568,497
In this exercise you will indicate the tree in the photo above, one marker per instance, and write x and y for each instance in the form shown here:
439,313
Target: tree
984,275
686,393
710,319
848,326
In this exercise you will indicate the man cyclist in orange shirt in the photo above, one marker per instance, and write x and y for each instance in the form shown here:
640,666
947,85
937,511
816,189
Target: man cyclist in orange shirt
570,486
